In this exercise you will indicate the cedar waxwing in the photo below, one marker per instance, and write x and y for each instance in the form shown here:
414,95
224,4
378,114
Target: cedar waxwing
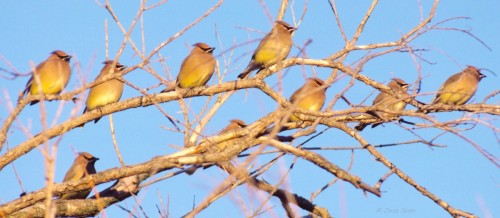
197,68
82,167
273,48
311,96
51,76
107,92
459,88
234,125
384,101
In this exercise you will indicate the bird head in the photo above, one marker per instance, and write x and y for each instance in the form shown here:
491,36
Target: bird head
286,26
234,125
317,82
239,123
475,71
401,83
118,67
88,157
61,55
204,47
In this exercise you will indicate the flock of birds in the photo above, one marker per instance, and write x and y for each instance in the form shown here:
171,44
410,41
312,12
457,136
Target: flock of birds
52,75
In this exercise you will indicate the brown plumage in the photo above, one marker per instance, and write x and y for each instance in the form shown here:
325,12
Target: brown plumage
51,76
107,92
273,48
82,167
234,125
311,96
459,88
384,101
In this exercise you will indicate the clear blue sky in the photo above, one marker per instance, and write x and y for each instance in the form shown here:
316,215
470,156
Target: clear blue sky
458,173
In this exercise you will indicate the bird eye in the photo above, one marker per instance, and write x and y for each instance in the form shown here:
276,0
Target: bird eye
120,67
209,49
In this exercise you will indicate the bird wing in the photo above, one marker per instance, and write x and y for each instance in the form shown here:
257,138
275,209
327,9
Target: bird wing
189,73
28,86
380,98
263,43
450,81
296,94
75,173
447,85
32,79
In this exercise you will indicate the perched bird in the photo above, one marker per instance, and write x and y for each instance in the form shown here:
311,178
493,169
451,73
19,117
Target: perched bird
234,125
384,101
82,167
51,76
197,68
311,96
459,88
107,92
273,48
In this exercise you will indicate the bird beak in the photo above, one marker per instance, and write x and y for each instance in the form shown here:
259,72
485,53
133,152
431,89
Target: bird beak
481,76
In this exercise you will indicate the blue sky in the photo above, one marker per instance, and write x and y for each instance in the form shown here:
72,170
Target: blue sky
458,173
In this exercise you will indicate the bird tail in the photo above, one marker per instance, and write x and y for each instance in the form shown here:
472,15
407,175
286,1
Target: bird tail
361,126
27,90
251,67
28,86
376,124
83,124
